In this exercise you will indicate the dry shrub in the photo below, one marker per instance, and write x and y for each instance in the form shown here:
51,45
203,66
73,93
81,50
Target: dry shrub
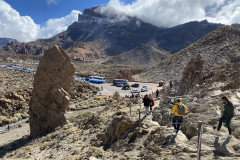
25,115
46,145
96,152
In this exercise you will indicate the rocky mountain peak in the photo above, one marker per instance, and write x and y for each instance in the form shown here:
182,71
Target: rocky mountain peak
94,12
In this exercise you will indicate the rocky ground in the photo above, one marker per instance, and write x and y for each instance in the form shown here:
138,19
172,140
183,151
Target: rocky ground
114,134
16,89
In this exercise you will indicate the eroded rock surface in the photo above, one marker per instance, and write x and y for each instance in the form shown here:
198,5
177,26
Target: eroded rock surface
191,75
50,97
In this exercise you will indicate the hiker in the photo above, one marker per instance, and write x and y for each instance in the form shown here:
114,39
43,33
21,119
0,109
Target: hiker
227,115
132,95
146,101
8,127
157,93
151,104
171,84
136,95
179,110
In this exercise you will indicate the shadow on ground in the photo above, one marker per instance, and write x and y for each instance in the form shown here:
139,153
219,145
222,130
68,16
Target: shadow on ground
14,145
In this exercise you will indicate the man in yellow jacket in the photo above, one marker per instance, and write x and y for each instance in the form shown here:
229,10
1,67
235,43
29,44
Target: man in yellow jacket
179,110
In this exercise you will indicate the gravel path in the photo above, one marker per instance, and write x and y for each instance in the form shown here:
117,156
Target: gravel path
17,133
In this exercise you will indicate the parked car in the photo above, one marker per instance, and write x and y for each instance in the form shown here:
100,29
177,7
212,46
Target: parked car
135,85
135,91
144,89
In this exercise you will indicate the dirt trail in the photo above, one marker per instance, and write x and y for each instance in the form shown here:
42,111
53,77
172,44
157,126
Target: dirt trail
18,133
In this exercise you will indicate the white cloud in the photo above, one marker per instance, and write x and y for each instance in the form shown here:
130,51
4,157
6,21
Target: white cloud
168,13
12,25
23,28
57,25
52,2
162,13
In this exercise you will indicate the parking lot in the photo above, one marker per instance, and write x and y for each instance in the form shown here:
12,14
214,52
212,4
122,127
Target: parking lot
109,89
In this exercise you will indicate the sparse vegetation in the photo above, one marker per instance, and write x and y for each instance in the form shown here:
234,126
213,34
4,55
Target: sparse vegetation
116,95
81,116
126,87
96,152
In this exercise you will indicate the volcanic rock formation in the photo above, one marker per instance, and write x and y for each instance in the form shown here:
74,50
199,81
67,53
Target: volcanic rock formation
24,48
81,52
50,97
191,75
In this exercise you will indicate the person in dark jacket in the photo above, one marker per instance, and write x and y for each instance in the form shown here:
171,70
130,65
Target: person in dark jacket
157,93
151,104
146,102
227,115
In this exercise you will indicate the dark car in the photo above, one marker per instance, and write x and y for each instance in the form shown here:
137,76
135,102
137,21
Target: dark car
135,85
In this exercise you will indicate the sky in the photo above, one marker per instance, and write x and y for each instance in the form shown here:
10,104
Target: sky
28,20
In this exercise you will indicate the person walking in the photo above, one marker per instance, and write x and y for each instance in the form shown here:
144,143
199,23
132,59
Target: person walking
151,104
227,116
178,110
157,93
171,84
146,102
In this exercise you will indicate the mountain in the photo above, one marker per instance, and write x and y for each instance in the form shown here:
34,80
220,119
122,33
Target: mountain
176,38
141,56
218,47
117,34
24,48
4,41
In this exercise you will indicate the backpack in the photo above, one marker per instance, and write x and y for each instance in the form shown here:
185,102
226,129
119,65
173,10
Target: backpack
181,110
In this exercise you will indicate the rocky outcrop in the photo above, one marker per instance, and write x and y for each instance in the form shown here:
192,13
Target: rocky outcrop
191,75
24,48
120,126
14,105
80,52
50,97
4,41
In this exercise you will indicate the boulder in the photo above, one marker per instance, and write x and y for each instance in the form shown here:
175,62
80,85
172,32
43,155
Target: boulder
50,95
118,129
192,75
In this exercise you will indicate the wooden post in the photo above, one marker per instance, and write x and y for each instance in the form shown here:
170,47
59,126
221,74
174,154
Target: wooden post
130,110
199,140
139,120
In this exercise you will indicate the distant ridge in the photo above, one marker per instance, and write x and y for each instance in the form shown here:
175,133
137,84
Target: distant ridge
219,46
4,41
141,56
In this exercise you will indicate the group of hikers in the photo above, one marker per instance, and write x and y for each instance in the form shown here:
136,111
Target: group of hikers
148,102
179,110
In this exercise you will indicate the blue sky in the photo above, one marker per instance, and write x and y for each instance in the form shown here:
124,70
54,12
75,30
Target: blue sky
42,10
28,20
